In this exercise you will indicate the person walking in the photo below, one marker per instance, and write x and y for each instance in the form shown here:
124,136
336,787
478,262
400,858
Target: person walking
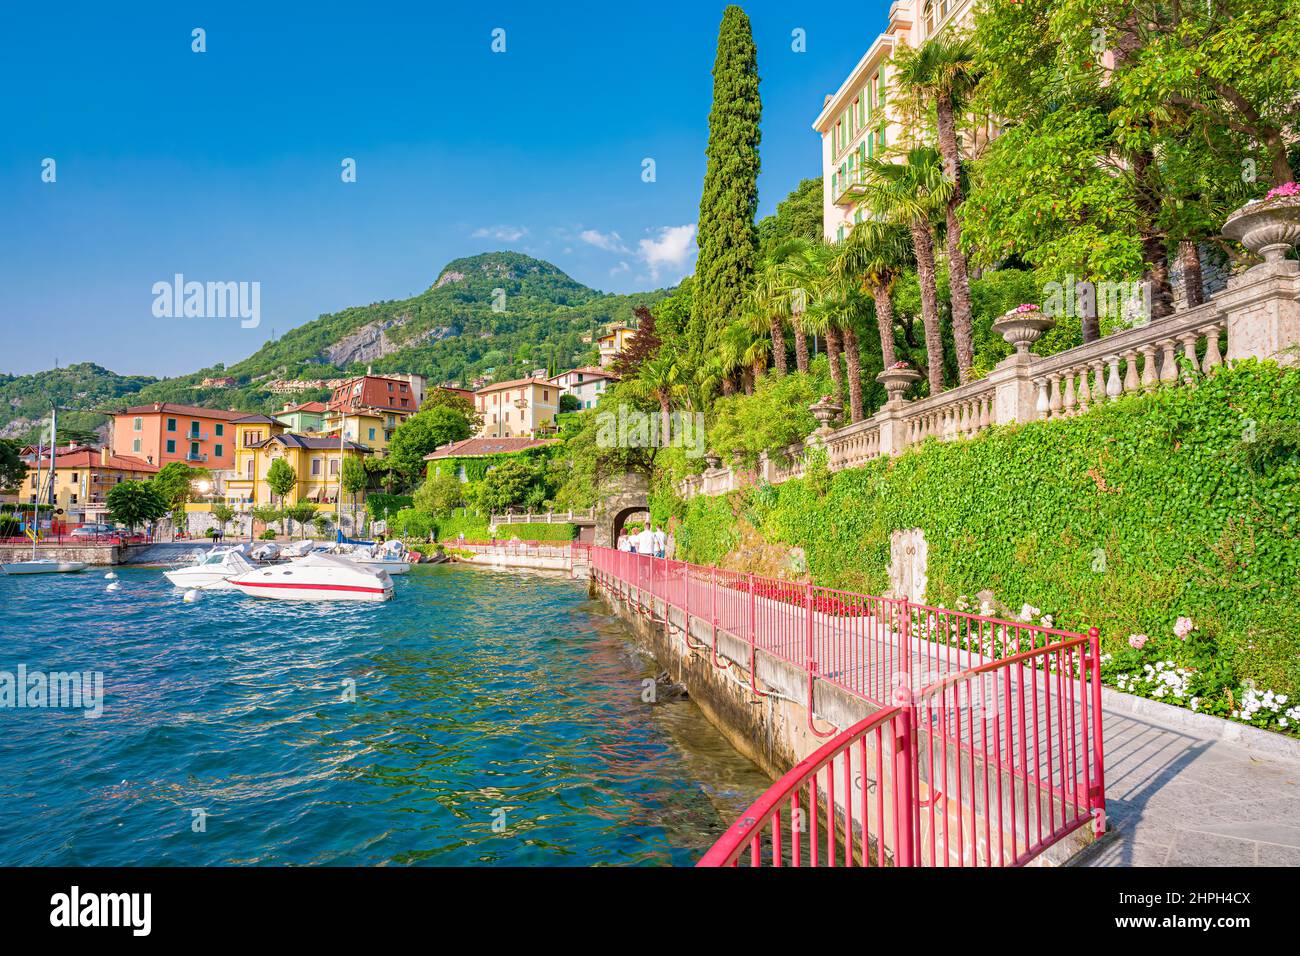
660,542
645,541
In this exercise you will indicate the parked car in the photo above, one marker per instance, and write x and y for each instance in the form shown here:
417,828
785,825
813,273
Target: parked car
92,530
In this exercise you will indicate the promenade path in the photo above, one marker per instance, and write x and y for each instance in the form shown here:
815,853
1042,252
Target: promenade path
1175,796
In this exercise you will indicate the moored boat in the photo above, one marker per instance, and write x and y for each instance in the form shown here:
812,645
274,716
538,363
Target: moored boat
42,566
317,577
212,571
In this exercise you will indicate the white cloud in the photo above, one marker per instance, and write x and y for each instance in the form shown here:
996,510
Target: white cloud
502,233
669,251
610,242
620,268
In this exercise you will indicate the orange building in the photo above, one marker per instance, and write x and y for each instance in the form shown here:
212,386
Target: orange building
165,432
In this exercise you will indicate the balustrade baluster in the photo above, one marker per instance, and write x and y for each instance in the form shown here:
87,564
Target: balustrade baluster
986,412
1085,391
1067,400
1213,358
1189,340
1148,367
1098,379
1168,364
1041,406
1113,387
1054,403
1131,382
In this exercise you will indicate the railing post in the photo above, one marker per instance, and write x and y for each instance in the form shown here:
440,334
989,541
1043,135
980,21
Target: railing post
753,677
907,810
1097,799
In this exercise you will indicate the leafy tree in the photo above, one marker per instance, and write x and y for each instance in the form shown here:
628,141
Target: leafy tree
135,502
411,523
354,480
569,402
322,524
515,483
727,238
302,512
268,515
644,344
280,478
428,429
175,483
798,216
13,470
223,514
440,495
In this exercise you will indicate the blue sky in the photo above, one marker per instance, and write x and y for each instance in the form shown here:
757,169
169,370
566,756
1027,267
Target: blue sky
225,165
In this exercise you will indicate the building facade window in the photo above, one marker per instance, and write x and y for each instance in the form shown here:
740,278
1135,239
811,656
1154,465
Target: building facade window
171,424
171,446
219,429
135,445
218,450
137,425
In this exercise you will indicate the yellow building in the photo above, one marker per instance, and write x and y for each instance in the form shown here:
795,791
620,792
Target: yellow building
82,479
523,408
370,427
616,340
315,459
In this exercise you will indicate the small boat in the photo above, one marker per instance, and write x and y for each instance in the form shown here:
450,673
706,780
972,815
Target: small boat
42,566
266,552
391,557
211,571
317,577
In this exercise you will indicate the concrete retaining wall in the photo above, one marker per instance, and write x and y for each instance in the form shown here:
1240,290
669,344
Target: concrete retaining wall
90,554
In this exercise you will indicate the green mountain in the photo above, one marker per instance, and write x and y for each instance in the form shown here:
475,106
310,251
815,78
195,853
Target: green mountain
500,314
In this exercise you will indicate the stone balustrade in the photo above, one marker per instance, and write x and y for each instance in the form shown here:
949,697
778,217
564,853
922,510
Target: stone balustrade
1257,315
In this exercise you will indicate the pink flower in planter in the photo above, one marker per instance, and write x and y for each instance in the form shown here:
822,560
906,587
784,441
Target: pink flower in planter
1027,307
1286,189
900,365
1137,641
1182,627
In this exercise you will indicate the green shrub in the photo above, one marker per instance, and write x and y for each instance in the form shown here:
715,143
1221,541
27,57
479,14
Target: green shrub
381,506
267,535
536,531
409,523
464,521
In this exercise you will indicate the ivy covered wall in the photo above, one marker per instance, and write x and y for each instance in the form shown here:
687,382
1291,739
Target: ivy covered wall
1184,504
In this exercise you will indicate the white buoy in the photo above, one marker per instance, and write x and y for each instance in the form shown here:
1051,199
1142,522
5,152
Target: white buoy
110,576
191,596
113,587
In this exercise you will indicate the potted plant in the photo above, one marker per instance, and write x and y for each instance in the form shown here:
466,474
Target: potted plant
825,410
1023,326
1268,227
897,379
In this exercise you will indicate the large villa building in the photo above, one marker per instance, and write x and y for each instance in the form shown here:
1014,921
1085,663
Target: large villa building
164,432
523,408
862,120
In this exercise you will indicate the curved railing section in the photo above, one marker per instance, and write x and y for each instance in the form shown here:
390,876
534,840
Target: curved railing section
986,748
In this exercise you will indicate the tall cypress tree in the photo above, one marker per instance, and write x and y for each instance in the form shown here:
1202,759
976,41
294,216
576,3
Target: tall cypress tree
727,237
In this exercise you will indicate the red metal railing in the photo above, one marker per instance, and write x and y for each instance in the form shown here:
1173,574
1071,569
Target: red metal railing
986,750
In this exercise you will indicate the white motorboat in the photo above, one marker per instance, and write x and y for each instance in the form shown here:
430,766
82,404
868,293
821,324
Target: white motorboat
266,552
317,577
391,557
42,566
211,571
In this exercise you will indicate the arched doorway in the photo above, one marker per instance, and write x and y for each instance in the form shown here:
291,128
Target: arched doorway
624,497
636,514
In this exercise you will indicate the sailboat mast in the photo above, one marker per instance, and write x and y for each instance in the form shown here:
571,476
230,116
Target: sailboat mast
54,462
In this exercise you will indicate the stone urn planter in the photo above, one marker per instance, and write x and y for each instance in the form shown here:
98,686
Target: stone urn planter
897,381
1023,326
825,410
713,460
1268,227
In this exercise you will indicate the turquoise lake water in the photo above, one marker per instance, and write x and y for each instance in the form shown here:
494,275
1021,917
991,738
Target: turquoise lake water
498,719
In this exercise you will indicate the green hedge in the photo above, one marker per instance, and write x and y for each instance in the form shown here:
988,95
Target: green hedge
1180,504
381,506
538,531
473,526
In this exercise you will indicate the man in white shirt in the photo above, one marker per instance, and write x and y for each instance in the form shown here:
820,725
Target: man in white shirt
624,541
661,542
645,541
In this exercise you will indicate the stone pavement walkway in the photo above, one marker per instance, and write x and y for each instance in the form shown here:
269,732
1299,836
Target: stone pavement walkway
1179,800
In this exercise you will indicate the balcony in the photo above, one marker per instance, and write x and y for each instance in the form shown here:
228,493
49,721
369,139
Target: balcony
850,189
197,436
196,457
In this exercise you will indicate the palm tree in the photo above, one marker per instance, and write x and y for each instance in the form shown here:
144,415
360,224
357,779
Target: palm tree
940,73
772,296
913,192
660,379
825,310
876,254
796,273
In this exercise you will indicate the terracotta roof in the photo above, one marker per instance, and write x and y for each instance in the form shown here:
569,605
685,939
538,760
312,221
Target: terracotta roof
476,447
513,383
91,458
173,408
590,370
305,407
257,420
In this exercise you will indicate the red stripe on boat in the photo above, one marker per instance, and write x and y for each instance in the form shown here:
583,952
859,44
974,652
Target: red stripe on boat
309,587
